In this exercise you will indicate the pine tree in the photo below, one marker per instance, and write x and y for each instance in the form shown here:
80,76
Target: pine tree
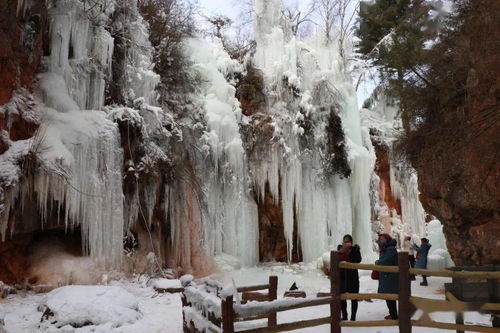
393,34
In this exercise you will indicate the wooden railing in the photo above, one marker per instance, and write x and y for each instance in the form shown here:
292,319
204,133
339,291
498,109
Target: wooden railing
407,304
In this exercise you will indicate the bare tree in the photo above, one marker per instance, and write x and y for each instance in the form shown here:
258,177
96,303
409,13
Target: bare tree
240,42
298,18
346,12
336,16
220,23
326,10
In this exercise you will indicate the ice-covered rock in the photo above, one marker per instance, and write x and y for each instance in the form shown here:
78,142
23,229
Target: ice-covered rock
91,305
186,279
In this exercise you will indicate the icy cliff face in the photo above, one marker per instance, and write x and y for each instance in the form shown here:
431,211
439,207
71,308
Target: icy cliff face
78,153
174,187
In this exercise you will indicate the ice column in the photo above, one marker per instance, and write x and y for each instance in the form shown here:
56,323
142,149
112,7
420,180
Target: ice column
232,226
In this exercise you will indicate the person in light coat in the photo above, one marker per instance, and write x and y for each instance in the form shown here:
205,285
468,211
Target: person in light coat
408,247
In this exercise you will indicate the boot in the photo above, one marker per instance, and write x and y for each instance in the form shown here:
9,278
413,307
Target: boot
424,282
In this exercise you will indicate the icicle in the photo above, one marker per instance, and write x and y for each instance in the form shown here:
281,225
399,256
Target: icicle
86,147
75,44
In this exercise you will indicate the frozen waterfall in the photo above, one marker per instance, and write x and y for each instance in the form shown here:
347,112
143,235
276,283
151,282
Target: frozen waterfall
325,206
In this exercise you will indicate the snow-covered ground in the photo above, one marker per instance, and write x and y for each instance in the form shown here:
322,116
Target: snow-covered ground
162,312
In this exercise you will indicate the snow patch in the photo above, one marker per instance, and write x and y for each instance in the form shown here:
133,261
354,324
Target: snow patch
92,305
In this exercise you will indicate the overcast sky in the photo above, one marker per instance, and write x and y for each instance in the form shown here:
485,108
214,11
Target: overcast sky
225,7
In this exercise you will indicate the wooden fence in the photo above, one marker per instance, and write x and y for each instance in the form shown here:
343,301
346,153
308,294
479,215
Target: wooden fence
407,304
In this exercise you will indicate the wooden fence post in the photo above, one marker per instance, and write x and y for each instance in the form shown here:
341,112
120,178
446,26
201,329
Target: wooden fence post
273,295
335,305
404,306
459,316
227,315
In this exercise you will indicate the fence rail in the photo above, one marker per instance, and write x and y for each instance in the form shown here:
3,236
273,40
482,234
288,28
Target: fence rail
407,303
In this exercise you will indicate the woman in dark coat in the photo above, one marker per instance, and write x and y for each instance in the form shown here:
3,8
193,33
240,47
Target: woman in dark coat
349,278
423,252
388,283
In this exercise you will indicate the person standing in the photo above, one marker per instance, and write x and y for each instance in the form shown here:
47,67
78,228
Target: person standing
423,252
408,247
349,278
388,283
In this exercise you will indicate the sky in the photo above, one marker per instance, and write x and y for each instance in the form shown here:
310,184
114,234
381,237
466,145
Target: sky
225,7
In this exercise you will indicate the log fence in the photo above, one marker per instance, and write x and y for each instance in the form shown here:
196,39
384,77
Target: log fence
267,307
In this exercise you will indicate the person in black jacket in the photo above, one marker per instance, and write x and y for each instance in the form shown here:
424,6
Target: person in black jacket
349,278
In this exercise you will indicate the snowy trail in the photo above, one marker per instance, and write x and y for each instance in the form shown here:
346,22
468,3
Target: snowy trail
162,312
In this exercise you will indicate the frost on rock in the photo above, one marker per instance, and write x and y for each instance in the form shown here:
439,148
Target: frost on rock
10,175
90,305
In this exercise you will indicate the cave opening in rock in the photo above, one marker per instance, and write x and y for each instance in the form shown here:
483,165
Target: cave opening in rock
55,257
272,240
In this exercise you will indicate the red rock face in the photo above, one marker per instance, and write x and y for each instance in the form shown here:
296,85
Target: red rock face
272,243
13,258
459,173
21,45
250,92
21,49
382,167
